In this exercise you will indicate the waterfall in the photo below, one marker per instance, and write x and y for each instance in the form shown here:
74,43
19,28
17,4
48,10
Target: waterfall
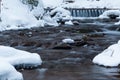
86,12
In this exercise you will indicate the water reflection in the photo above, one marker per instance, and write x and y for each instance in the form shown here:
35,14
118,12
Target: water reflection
73,72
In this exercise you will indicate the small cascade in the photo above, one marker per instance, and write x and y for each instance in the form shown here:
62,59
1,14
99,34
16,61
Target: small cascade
86,12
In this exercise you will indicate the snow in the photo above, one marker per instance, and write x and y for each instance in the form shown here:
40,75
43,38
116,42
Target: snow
110,12
60,13
8,72
109,57
49,21
117,23
51,3
16,15
38,11
15,56
83,4
10,57
68,40
69,22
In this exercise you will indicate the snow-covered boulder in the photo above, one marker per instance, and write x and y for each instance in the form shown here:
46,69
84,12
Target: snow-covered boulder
112,14
60,14
109,57
8,72
16,57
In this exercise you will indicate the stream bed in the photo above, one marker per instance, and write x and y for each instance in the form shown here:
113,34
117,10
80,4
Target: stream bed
63,61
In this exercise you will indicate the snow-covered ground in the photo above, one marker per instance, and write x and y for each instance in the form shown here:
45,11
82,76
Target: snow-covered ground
109,57
83,4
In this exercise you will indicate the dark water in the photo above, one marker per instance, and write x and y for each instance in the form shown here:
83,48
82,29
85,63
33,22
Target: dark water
67,61
73,72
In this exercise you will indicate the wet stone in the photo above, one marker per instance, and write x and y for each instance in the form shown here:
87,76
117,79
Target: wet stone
14,44
29,43
62,46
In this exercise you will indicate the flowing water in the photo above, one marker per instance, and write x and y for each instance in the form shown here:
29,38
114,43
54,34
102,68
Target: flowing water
67,61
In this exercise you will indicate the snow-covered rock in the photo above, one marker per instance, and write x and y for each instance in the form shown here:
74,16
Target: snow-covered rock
60,13
8,72
109,57
110,14
68,23
11,57
16,57
48,20
68,40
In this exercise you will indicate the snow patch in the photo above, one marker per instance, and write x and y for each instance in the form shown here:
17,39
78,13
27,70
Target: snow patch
16,57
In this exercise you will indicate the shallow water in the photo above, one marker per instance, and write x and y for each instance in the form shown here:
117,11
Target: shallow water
73,72
66,61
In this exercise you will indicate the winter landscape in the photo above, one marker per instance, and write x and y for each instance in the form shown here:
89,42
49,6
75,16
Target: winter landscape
60,40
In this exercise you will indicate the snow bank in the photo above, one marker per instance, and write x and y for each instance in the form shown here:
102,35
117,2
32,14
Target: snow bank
109,13
8,72
109,57
16,15
83,4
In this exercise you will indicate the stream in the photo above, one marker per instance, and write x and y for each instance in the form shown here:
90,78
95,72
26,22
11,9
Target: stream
67,61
